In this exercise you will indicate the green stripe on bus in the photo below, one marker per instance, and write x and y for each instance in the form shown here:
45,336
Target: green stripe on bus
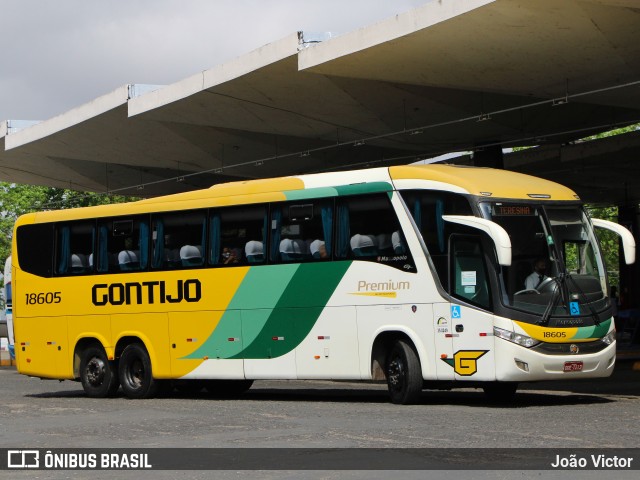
273,310
325,192
311,193
262,287
362,188
296,312
595,331
258,293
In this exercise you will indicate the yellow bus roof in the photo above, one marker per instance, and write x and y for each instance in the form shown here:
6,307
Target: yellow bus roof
488,182
474,180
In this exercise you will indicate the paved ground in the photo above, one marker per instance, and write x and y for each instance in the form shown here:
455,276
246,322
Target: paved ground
597,413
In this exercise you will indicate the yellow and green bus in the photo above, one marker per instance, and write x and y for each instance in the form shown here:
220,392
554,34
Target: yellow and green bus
416,275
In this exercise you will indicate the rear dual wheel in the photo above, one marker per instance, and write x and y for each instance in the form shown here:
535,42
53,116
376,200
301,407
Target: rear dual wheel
136,374
98,375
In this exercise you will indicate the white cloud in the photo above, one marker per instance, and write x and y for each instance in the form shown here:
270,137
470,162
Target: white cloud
60,54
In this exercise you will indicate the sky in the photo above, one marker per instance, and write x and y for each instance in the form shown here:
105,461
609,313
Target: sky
57,55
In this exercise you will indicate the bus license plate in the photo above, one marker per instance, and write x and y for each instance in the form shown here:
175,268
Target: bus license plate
573,366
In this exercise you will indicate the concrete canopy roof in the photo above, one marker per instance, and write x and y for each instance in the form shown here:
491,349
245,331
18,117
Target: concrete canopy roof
448,76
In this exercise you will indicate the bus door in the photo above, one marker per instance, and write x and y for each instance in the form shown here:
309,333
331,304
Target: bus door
471,321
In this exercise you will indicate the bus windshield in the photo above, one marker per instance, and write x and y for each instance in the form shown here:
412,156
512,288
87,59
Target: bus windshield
557,268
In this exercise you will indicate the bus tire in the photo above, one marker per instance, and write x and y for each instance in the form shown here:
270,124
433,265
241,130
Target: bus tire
404,374
136,375
227,388
98,375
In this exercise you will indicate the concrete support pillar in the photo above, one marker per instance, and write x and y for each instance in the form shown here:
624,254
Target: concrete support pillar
629,216
489,156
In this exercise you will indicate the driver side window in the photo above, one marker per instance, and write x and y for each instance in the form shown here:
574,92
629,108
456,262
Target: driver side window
469,280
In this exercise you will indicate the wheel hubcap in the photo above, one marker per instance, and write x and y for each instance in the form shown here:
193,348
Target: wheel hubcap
395,373
136,374
95,371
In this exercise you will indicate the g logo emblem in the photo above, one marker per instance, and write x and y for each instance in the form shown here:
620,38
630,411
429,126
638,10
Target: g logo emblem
465,362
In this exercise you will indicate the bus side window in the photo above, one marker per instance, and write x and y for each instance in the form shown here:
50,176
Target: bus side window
238,236
367,228
427,208
301,231
35,245
123,244
178,239
74,247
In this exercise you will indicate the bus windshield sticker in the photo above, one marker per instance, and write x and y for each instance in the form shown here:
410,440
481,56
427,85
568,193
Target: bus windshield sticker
468,278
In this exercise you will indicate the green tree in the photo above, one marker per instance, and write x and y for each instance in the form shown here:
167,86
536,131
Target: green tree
609,241
16,200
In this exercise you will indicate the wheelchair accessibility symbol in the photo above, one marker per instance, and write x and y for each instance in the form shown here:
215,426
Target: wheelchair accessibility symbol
455,311
574,308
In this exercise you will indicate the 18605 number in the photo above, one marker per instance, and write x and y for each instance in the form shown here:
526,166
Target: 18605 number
43,298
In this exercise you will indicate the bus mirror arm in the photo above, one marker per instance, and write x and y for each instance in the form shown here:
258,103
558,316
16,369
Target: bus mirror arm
628,242
498,234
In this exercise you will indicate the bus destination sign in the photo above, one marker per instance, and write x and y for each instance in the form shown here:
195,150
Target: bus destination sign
513,210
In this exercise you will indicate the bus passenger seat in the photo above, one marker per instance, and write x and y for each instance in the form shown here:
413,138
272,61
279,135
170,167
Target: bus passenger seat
287,250
254,251
363,245
128,260
398,244
293,249
191,255
78,263
316,248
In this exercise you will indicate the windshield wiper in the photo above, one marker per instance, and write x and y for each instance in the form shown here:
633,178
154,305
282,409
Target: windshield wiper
558,293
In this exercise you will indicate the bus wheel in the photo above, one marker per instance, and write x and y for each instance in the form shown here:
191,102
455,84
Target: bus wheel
98,376
500,392
135,372
227,388
404,374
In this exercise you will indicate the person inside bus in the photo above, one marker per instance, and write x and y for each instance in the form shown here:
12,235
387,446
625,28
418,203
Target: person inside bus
230,256
535,279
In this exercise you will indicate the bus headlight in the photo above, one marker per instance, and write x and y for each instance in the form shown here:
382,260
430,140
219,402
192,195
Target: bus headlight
610,337
516,338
